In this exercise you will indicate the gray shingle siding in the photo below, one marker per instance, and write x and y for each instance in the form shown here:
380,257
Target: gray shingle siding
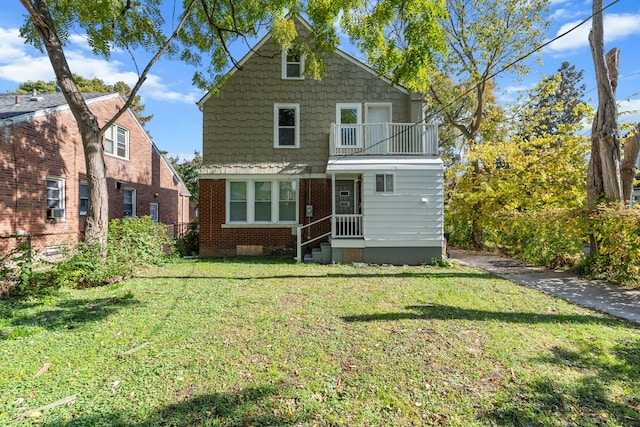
238,124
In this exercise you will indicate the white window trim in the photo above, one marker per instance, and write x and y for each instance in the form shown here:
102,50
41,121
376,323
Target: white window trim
157,218
62,204
250,201
81,212
114,130
133,202
393,187
358,107
284,67
276,127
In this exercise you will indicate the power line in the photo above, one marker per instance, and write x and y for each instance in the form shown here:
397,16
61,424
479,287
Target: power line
487,78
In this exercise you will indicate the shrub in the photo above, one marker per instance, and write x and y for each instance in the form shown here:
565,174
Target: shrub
189,243
131,244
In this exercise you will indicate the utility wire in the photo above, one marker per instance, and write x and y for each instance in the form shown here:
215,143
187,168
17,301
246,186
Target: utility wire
485,79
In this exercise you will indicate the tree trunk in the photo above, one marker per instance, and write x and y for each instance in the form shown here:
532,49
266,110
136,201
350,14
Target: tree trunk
628,169
96,223
603,178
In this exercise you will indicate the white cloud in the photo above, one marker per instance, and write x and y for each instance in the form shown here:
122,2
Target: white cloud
20,63
616,27
632,108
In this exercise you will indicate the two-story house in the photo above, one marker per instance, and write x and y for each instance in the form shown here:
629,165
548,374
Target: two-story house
344,163
43,181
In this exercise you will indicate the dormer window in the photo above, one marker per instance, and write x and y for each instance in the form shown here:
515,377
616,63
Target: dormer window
292,65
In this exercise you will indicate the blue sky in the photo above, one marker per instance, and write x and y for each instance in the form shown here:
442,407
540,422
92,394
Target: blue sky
169,95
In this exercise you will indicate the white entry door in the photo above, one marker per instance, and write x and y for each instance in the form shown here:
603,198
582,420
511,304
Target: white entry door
376,115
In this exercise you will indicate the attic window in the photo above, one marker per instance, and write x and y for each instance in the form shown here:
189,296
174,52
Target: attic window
292,65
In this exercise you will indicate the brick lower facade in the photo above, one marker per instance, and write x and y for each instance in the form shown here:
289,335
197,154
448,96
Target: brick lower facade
220,240
49,146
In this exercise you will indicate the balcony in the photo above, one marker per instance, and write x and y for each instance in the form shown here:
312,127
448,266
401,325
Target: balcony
381,139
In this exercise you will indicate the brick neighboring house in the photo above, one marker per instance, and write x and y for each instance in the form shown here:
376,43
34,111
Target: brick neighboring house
43,182
346,161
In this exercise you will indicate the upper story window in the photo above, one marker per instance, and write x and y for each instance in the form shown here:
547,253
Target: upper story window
292,65
55,198
116,142
287,125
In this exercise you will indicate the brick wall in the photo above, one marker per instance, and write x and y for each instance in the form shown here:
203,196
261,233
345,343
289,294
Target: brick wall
50,146
219,241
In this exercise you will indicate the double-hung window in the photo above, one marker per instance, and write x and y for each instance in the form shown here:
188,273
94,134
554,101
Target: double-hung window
384,183
84,198
287,125
129,200
263,201
292,65
55,198
116,142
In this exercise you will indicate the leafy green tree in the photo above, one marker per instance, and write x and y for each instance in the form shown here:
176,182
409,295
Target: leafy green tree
189,173
93,85
482,38
39,86
525,169
200,35
567,93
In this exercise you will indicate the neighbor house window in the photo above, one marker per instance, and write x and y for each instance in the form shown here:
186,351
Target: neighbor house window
55,198
287,125
129,203
292,65
384,183
84,198
116,142
153,212
263,201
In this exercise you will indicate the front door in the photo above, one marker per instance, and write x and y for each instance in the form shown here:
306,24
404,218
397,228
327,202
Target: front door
345,197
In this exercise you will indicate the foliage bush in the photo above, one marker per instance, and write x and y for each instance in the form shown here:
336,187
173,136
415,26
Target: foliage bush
189,243
131,244
558,238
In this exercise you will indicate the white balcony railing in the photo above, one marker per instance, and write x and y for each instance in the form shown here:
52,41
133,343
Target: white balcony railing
384,139
347,226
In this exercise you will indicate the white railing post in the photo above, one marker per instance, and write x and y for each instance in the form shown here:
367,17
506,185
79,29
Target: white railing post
299,243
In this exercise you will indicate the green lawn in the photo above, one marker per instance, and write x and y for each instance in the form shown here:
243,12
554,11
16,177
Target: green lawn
270,342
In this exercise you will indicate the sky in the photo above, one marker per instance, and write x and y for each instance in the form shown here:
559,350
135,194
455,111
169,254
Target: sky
169,95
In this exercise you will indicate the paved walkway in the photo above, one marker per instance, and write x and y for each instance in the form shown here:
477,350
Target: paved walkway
617,301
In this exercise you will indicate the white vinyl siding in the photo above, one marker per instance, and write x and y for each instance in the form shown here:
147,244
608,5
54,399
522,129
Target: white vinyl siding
262,201
418,198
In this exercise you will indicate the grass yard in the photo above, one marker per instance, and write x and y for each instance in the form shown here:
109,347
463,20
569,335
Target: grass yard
269,342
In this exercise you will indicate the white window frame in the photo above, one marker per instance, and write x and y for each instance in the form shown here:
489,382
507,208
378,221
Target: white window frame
154,218
61,197
358,136
286,62
111,135
133,202
385,178
276,125
251,201
83,184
